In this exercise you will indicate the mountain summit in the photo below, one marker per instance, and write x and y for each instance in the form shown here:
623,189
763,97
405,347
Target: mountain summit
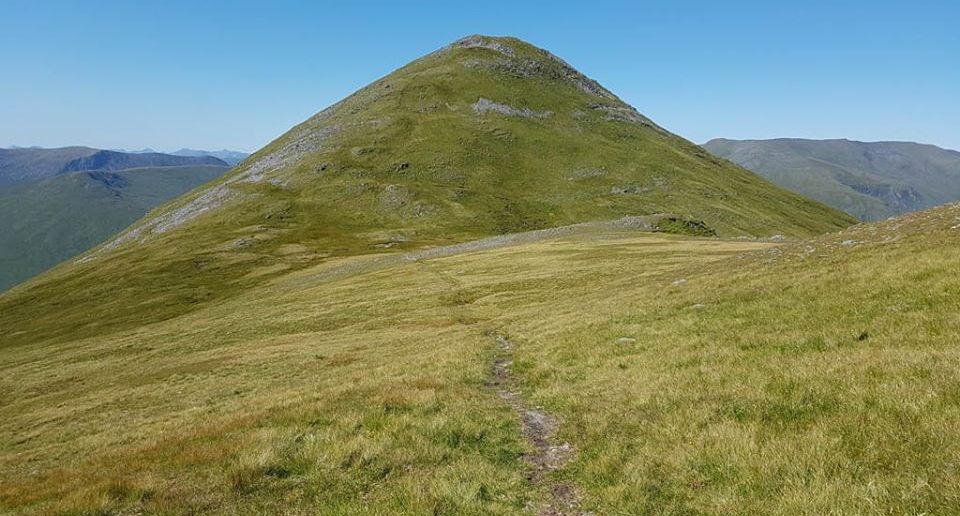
485,136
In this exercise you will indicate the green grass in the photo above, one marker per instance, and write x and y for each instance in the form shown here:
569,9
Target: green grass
807,378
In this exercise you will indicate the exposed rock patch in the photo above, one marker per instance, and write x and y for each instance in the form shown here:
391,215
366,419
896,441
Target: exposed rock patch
398,200
584,83
289,153
481,42
484,105
623,113
395,196
305,139
526,68
210,199
587,173
628,190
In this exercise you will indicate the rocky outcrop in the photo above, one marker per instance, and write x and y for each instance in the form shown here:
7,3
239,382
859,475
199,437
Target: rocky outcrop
484,105
477,41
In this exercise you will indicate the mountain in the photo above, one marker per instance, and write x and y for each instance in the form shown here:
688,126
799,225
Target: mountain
870,181
480,285
484,137
231,157
22,165
55,219
25,165
140,151
58,203
112,160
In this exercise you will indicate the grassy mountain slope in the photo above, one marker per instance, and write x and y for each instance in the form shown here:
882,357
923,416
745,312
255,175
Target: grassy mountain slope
868,180
50,221
484,137
687,376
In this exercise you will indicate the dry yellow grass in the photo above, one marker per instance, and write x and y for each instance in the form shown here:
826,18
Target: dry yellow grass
807,378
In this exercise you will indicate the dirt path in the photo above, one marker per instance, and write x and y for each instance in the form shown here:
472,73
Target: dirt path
539,428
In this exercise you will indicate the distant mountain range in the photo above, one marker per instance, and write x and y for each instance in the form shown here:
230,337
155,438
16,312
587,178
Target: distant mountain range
869,180
24,165
20,165
112,160
57,203
231,157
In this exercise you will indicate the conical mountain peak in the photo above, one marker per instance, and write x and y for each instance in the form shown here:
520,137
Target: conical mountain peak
485,136
425,124
522,59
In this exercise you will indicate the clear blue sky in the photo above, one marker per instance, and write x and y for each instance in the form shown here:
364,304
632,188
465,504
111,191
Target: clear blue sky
132,74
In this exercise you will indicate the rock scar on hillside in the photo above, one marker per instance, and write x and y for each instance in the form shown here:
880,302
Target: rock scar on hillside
539,428
484,105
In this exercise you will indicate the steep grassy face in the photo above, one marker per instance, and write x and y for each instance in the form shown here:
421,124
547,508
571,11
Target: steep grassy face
483,137
51,221
687,376
869,180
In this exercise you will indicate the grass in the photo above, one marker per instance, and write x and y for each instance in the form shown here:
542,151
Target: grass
810,377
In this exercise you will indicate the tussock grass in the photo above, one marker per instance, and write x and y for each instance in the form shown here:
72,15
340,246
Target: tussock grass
810,377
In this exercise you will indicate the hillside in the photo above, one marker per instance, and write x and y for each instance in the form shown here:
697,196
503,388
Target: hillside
50,221
621,372
870,181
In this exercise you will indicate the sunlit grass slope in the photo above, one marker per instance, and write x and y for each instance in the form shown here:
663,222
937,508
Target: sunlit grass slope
690,375
484,137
